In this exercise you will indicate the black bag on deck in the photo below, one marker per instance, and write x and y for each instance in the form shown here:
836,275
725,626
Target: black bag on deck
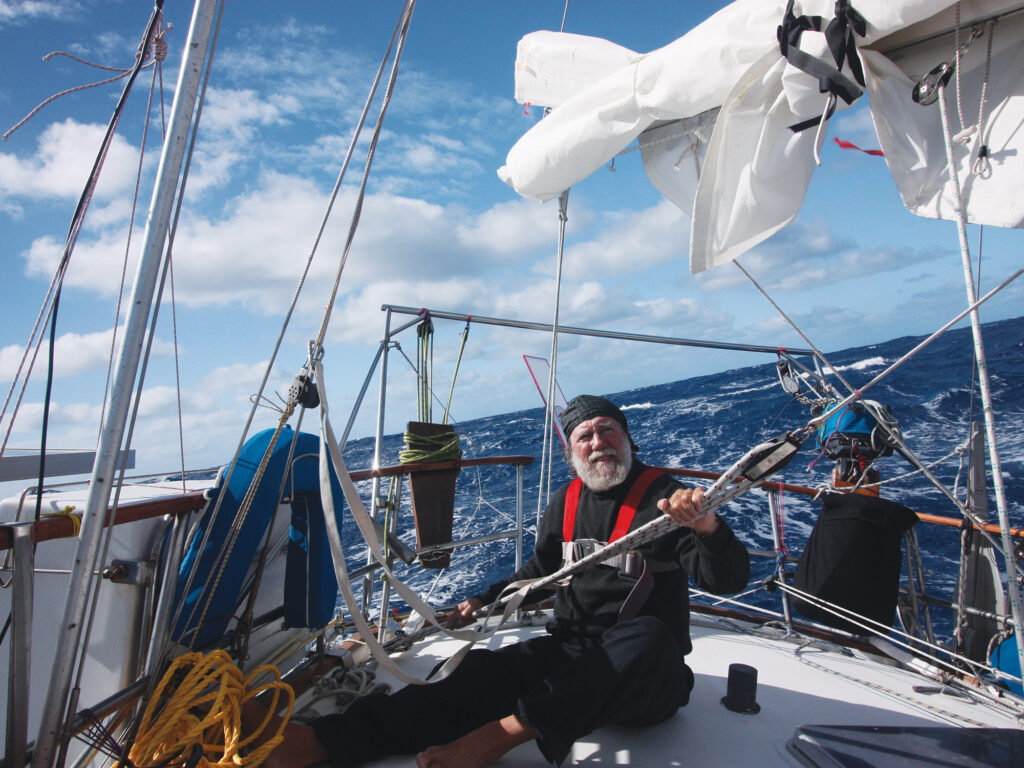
852,559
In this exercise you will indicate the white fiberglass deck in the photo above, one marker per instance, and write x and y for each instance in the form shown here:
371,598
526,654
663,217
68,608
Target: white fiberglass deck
846,690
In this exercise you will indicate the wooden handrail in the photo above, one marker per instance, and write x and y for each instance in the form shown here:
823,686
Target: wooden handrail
63,527
802,490
767,485
404,469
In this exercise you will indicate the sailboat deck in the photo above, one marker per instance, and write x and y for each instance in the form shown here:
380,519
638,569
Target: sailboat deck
833,689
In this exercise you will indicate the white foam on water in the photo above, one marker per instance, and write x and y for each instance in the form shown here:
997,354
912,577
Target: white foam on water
860,365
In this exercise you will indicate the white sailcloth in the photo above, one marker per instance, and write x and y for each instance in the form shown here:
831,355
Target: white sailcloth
743,173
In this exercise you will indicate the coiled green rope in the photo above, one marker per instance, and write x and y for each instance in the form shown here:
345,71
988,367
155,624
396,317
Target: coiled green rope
427,448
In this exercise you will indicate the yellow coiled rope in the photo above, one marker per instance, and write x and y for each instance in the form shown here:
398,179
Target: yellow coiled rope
199,701
69,512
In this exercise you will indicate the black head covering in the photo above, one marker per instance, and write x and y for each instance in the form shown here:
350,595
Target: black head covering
585,407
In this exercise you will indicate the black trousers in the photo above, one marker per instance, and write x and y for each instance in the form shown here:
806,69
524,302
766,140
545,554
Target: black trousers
633,675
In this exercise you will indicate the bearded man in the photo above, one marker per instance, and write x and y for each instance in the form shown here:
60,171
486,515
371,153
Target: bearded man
614,652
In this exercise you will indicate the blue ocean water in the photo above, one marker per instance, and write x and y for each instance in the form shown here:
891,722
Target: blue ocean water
708,422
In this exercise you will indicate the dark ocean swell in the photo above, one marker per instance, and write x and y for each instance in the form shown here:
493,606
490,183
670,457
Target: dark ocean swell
709,421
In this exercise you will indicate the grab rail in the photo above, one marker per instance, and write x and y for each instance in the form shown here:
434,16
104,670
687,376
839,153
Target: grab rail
63,527
805,491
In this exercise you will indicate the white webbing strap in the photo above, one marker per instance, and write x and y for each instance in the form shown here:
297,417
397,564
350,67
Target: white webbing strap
330,453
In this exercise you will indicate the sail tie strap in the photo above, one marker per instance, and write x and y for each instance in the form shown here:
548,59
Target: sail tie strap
839,37
330,455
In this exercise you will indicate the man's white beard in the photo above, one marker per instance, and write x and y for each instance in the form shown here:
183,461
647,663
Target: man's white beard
602,475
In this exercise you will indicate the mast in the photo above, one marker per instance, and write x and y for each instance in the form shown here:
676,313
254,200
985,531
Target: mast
112,432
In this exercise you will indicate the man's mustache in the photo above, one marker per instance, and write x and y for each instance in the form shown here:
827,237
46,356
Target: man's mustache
601,453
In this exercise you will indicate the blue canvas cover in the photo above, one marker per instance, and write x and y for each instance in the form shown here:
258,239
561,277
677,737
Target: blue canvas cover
310,586
313,567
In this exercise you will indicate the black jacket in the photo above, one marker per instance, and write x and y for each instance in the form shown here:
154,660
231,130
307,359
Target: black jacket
590,604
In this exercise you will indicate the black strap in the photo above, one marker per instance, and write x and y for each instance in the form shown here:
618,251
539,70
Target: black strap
644,584
839,37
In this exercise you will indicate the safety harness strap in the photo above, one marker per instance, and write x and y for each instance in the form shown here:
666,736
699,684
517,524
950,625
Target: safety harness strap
630,564
626,512
628,509
572,500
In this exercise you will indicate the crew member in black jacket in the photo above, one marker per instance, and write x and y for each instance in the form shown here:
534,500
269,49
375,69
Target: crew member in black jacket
614,650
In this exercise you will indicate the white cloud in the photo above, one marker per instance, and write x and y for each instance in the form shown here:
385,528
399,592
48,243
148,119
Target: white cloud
19,11
61,164
432,154
76,353
252,255
638,240
513,227
808,256
360,318
236,113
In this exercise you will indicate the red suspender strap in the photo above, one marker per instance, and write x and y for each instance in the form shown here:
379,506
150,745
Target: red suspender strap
636,494
572,500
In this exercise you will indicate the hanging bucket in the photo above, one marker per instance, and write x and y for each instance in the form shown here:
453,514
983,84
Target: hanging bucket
433,500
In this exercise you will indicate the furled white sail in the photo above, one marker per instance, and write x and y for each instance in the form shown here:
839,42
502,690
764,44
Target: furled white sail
712,112
911,135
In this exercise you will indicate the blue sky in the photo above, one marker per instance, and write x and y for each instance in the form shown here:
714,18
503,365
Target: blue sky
439,228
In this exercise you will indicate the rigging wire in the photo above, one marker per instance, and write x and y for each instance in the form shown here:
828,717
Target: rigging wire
245,621
122,469
401,27
46,404
424,367
857,394
873,627
458,362
158,60
47,57
371,150
50,300
173,228
548,448
998,487
302,278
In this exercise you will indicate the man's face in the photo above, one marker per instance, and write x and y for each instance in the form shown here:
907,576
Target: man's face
601,453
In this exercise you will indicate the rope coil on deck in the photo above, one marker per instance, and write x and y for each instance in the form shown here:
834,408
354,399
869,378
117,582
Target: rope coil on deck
199,702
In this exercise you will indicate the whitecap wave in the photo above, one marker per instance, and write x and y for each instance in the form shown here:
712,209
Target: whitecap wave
860,365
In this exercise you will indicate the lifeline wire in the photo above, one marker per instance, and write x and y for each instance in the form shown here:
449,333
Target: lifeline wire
50,299
857,394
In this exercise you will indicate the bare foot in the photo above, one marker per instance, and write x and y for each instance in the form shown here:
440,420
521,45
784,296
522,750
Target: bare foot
299,748
477,748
